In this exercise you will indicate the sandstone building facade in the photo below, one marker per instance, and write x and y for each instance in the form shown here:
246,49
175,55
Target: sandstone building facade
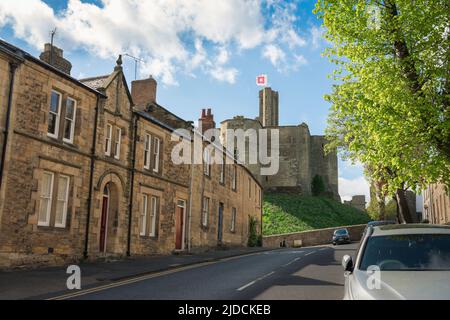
301,155
436,204
86,170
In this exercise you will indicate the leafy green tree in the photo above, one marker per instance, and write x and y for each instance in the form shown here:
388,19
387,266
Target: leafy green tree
317,186
390,106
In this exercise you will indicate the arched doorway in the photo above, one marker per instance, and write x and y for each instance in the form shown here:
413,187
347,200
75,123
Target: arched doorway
109,218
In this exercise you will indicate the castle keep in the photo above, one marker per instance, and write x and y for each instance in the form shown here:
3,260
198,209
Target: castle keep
301,155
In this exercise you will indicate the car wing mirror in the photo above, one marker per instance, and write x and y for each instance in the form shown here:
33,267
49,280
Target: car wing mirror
347,263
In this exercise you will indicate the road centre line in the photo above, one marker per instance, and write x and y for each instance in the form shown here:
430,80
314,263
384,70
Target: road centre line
144,277
254,281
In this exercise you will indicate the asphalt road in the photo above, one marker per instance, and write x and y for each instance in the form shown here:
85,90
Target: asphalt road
305,273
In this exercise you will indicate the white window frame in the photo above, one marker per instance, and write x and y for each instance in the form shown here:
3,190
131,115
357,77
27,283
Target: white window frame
66,201
49,199
234,179
207,163
153,214
72,121
144,211
58,115
108,139
157,151
117,143
205,211
147,150
233,219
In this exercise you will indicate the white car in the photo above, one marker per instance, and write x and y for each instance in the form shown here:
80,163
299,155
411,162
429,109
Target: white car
406,262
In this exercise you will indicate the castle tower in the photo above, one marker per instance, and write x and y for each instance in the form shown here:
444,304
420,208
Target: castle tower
268,107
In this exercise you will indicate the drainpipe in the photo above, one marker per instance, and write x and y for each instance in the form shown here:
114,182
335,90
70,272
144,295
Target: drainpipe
91,180
133,165
190,195
12,72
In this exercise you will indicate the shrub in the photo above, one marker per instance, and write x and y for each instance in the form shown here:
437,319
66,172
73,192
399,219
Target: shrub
253,237
317,186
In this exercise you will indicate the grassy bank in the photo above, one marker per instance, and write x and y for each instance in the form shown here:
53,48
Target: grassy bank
284,213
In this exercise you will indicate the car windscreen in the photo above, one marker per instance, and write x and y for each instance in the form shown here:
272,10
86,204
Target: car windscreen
341,232
407,252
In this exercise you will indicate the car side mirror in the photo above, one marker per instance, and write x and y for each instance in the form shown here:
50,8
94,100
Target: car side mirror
347,263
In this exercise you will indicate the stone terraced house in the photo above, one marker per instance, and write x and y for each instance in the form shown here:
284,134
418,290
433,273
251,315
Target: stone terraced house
86,170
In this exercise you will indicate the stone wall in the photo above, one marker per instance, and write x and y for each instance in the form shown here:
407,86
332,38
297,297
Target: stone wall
436,204
31,152
311,238
358,202
246,199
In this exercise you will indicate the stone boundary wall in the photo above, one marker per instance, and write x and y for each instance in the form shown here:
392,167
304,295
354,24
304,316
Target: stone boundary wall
312,237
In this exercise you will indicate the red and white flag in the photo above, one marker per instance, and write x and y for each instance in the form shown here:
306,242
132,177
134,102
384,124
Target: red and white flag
261,80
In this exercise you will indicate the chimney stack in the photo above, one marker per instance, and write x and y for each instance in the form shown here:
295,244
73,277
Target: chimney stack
54,56
143,91
207,120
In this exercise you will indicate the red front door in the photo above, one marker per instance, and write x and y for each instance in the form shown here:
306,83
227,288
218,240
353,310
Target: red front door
179,228
104,224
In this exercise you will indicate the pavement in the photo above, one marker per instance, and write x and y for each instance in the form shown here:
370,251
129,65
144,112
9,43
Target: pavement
51,281
283,274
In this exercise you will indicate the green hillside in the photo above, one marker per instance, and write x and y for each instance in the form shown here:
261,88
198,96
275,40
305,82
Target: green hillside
284,213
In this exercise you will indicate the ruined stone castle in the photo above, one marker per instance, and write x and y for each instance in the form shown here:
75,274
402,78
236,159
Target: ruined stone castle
301,155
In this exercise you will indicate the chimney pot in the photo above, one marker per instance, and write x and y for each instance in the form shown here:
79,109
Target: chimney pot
143,91
207,120
54,56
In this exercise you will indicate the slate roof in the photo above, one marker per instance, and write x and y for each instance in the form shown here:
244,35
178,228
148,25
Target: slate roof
96,82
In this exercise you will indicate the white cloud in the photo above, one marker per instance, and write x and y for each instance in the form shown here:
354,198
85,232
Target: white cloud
171,36
300,60
224,74
316,36
353,187
274,54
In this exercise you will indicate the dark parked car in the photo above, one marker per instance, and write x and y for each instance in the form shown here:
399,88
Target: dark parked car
341,236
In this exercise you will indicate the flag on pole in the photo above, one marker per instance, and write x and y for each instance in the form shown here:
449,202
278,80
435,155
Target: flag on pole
261,80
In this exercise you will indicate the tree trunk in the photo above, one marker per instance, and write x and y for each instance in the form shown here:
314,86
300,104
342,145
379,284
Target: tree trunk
403,212
382,209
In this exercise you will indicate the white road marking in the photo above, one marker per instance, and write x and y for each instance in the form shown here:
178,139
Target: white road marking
291,262
146,277
310,253
254,281
247,285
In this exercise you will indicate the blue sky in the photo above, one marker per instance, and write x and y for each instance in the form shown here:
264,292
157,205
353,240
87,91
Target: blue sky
202,55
